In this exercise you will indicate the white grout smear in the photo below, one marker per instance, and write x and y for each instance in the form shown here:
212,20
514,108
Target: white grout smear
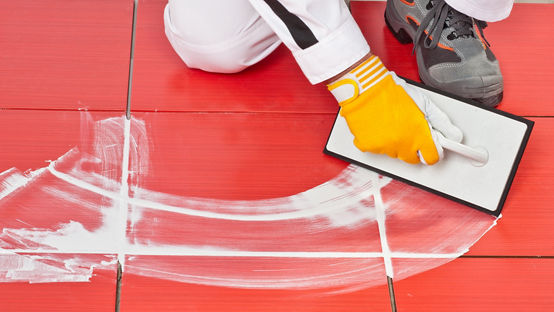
336,235
124,195
381,222
51,268
12,179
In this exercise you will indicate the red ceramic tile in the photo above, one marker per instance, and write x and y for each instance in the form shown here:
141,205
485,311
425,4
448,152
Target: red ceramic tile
231,203
518,42
162,82
420,222
57,234
236,156
227,176
525,54
480,285
423,223
143,293
65,55
96,294
37,137
527,221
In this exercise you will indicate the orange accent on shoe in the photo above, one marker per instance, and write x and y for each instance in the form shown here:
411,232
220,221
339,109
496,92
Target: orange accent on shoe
408,3
408,18
479,35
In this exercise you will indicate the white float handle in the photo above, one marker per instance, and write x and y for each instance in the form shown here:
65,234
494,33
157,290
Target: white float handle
479,155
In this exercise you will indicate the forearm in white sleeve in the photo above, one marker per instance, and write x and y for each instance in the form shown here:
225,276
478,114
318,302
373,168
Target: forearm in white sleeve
485,10
321,34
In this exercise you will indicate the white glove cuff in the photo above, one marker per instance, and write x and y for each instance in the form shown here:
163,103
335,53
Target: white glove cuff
358,80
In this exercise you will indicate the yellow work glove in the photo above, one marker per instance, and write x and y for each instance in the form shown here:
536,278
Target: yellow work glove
388,116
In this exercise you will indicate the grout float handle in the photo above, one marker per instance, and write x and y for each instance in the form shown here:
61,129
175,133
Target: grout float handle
479,155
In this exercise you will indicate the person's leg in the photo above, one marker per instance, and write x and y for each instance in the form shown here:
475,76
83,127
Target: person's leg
452,53
485,10
223,36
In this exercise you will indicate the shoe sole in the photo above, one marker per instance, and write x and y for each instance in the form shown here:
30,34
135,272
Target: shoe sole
491,98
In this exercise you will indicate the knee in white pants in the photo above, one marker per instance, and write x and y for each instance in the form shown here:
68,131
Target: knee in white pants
229,55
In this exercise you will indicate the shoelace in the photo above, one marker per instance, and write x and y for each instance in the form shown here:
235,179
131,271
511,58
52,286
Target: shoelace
441,13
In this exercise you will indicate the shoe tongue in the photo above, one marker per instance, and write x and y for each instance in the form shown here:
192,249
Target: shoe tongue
461,24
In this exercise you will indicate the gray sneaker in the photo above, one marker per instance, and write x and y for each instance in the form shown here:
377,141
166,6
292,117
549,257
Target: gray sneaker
452,53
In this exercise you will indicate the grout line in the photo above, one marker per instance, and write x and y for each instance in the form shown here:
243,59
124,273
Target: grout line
131,60
387,255
264,254
124,191
59,109
183,252
333,113
380,213
118,287
124,195
504,257
197,111
391,294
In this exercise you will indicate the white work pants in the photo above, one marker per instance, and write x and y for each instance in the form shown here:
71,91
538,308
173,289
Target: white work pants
227,36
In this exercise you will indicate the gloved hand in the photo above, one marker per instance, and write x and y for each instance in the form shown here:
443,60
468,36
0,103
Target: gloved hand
388,116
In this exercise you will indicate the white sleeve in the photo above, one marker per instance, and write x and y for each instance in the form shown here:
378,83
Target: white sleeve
485,10
321,34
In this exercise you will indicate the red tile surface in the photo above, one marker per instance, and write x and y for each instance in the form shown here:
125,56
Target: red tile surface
39,218
65,55
161,78
237,156
36,137
172,296
527,222
519,42
522,45
480,285
98,294
242,164
69,55
420,222
162,82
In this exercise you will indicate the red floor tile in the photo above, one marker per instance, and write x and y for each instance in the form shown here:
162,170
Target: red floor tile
53,245
480,285
98,294
515,41
236,156
147,294
162,82
528,219
420,222
76,55
37,137
525,53
245,182
65,55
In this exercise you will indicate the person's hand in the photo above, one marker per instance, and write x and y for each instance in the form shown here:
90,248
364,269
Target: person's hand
388,116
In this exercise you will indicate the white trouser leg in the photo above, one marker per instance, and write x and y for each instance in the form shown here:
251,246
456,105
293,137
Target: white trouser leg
486,10
223,36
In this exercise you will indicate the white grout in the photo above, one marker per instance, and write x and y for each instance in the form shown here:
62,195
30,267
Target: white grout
323,208
124,194
202,252
381,220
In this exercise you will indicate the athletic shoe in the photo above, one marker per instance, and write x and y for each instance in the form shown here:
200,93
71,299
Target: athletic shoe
452,53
